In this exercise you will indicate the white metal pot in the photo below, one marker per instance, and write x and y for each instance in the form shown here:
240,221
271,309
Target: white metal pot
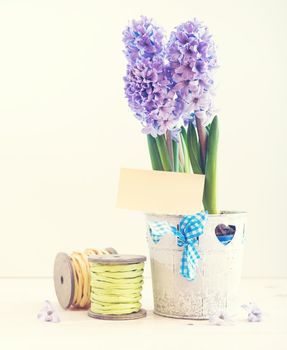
216,286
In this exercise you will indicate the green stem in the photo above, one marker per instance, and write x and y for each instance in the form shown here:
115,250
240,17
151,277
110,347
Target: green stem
175,156
183,133
180,156
163,151
193,149
169,147
187,166
154,153
209,195
202,136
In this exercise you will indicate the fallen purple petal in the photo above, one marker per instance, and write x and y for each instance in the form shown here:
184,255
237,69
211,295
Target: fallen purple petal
221,319
48,313
254,312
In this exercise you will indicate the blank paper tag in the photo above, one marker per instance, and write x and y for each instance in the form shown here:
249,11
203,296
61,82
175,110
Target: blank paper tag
160,192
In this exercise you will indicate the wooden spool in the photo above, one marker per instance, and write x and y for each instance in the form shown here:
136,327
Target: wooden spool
126,317
118,259
64,279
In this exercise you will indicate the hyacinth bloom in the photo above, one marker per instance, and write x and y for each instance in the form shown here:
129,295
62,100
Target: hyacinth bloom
146,85
143,39
146,88
192,57
169,87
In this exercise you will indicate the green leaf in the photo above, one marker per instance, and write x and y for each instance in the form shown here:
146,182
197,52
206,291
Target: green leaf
154,153
193,149
208,127
183,133
163,151
209,195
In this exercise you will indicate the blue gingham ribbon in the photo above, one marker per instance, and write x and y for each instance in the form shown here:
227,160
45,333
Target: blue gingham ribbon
190,228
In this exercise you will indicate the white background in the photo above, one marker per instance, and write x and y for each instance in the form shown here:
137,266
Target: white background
65,127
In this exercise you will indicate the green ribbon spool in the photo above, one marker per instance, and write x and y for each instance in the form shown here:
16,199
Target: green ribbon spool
116,285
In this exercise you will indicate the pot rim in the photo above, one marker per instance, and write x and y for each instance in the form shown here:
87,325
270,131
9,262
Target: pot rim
221,213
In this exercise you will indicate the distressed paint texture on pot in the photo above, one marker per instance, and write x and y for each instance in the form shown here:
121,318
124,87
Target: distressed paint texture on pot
216,286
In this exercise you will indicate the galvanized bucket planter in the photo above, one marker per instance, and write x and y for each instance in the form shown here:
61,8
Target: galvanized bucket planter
216,286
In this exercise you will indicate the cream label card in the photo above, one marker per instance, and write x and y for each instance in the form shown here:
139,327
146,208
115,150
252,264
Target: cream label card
160,192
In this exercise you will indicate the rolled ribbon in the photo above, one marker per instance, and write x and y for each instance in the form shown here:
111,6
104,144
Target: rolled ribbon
116,289
190,228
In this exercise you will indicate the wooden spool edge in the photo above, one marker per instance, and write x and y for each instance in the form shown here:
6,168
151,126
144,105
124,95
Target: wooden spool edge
116,259
65,296
126,317
66,300
111,250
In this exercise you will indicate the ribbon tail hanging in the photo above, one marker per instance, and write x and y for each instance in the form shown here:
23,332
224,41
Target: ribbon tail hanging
158,229
189,262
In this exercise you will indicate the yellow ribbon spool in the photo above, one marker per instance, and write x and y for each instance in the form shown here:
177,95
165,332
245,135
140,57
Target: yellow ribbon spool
72,277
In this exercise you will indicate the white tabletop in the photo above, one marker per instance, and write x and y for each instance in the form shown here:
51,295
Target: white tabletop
21,299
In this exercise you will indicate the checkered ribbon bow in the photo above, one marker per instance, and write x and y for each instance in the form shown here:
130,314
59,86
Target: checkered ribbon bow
189,229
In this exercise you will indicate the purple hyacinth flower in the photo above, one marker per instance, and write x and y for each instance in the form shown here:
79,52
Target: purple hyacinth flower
143,39
192,57
147,86
168,84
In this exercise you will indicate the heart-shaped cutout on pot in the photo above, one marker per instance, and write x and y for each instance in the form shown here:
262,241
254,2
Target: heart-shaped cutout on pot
225,233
